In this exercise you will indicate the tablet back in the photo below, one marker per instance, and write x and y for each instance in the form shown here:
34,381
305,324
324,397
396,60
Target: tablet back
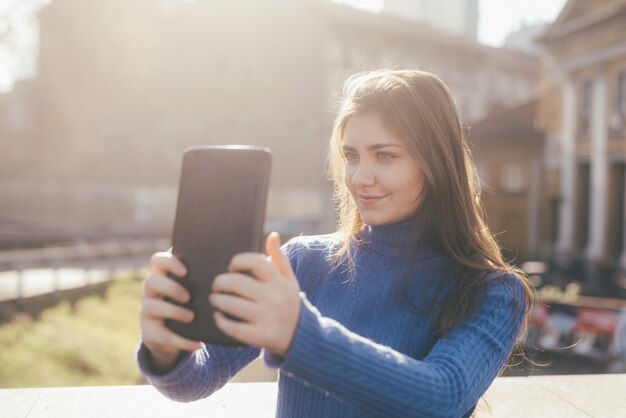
220,212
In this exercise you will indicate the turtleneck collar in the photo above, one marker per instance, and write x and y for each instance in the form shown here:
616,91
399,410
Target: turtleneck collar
400,239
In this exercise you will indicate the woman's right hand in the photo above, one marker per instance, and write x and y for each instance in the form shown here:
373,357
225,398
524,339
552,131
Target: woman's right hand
164,345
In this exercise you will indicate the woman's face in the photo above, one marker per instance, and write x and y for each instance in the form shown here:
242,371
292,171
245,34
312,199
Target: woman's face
383,177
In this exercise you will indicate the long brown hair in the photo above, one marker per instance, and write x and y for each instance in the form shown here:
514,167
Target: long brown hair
418,108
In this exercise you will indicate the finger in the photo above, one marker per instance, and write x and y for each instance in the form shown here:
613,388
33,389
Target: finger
278,258
239,284
163,337
160,309
165,262
242,331
256,263
157,286
235,306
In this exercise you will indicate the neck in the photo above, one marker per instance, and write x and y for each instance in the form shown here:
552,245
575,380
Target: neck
404,239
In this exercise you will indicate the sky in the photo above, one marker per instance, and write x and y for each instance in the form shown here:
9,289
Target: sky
19,40
500,17
497,17
18,28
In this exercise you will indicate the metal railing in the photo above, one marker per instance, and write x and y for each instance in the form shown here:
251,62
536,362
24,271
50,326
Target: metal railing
103,257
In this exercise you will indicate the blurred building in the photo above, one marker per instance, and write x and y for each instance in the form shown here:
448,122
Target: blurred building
507,150
583,111
124,87
525,38
482,78
456,16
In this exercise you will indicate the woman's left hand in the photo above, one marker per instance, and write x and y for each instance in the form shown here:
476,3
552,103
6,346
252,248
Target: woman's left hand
268,303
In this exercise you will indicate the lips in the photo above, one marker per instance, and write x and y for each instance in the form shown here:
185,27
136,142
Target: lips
369,199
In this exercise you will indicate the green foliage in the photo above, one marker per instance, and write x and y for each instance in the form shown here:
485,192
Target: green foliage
91,343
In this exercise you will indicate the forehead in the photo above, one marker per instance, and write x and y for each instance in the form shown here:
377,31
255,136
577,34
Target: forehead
367,129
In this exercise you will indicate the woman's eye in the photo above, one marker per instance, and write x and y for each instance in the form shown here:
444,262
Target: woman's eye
350,156
385,156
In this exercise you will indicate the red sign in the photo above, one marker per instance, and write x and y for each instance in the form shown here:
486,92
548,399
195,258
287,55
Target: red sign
596,321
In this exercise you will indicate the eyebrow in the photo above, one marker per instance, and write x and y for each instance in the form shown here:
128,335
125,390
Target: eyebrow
372,147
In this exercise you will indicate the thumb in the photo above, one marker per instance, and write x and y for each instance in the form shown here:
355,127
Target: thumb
279,259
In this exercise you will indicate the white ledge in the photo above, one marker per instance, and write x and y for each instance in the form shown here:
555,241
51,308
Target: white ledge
568,396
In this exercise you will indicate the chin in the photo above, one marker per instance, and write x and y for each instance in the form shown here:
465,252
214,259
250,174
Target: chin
376,221
373,220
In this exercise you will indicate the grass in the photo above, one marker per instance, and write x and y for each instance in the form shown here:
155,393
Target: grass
91,343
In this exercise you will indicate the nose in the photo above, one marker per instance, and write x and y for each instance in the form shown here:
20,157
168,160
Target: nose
361,175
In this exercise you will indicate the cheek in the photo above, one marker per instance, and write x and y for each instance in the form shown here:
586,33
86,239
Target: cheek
416,192
410,192
412,187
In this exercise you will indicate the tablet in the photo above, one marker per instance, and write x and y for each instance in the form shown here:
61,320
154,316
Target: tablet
220,212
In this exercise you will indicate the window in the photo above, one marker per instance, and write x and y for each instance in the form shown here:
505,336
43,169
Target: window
585,108
621,93
618,116
513,180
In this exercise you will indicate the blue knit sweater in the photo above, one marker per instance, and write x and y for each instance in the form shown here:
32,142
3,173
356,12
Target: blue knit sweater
359,349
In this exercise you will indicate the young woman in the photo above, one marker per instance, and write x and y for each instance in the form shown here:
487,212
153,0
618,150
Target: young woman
407,310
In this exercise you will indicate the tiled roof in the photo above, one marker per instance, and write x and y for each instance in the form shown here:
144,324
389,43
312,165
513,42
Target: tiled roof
510,124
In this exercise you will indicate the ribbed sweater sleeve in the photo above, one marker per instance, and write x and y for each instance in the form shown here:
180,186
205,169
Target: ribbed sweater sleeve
200,373
380,381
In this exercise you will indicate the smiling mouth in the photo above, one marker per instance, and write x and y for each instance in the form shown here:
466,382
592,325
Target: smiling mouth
368,200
